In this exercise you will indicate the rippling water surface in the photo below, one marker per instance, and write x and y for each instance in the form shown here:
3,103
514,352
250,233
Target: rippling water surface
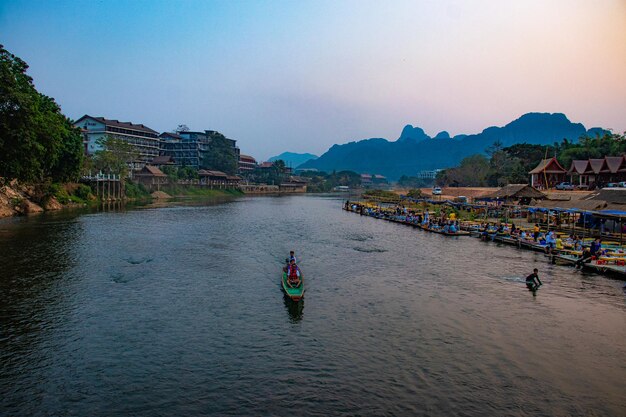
178,311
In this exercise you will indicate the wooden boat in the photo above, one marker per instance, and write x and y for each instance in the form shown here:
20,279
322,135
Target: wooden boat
294,293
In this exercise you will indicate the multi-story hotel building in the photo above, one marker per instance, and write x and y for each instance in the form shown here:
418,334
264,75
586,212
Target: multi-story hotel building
189,148
144,139
246,164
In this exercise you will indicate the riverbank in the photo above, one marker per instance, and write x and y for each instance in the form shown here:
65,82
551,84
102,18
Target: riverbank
22,199
609,259
18,199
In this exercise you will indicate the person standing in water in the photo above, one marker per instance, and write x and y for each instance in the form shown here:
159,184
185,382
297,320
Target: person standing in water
532,281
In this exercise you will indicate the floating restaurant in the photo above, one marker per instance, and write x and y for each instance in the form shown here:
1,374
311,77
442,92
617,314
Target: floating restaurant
566,235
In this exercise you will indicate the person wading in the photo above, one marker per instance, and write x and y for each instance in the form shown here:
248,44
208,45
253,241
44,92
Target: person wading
532,281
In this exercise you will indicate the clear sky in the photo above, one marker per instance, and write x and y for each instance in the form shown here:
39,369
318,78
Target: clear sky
302,75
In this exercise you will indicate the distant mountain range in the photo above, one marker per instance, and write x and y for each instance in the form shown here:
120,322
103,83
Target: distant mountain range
415,151
294,159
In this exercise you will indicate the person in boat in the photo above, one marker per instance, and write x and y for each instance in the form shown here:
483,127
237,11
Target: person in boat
532,281
292,256
293,274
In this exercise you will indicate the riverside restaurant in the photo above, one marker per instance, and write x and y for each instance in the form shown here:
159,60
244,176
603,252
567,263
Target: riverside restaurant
590,239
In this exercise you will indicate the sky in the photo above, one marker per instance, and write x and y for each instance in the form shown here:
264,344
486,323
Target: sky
301,76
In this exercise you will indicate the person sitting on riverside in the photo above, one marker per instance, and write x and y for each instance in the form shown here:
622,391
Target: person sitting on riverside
559,243
577,243
293,274
452,228
596,246
584,257
532,281
550,242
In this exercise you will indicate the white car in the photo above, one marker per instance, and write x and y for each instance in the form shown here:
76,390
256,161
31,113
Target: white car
437,191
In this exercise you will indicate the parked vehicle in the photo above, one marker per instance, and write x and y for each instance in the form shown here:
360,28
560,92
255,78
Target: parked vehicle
565,186
612,185
437,191
622,184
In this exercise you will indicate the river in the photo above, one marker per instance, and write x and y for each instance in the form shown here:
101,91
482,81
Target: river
177,310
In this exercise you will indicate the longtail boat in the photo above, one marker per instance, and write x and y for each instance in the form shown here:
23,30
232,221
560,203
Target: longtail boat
295,293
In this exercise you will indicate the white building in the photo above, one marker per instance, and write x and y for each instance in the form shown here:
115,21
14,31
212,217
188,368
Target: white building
428,175
144,139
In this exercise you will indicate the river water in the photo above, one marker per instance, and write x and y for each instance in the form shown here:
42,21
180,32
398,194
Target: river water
178,311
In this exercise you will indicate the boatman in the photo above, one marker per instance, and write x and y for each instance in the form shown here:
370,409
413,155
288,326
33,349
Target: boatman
292,256
532,281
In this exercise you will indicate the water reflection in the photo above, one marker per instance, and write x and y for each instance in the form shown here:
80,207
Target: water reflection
176,311
294,309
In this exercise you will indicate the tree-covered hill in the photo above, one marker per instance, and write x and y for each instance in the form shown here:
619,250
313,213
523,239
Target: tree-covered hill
415,151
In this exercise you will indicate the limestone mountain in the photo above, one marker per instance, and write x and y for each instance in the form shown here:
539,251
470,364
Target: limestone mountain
415,150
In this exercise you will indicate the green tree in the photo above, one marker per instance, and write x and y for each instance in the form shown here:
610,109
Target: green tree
473,171
608,144
115,156
36,140
187,173
221,156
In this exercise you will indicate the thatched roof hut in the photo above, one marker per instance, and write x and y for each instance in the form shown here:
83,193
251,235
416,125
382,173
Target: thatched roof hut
515,192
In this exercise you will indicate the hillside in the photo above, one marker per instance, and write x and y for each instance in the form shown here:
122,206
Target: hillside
415,150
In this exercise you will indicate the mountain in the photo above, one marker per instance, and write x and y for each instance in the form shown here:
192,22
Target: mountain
294,159
415,151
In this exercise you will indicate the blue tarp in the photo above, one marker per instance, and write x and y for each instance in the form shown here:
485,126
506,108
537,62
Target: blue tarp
613,213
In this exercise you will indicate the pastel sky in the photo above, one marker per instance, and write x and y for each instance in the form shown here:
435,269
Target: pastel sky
302,75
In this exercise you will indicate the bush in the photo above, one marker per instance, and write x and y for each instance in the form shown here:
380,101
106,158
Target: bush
136,190
415,193
83,192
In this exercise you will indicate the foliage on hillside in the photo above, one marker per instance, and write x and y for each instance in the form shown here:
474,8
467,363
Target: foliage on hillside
511,165
415,151
37,141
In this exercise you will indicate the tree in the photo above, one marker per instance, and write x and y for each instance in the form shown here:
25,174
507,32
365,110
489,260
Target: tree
36,140
221,156
115,156
609,144
472,171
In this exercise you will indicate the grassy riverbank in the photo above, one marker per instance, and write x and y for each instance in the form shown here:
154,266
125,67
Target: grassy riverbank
178,190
